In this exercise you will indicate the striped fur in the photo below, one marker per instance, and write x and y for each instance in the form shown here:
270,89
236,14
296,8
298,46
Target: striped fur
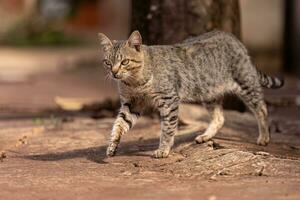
201,69
125,120
269,81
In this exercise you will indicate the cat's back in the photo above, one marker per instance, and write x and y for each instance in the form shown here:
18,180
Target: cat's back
218,40
210,37
213,47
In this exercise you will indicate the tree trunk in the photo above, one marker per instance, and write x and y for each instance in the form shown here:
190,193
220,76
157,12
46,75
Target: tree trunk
171,21
292,37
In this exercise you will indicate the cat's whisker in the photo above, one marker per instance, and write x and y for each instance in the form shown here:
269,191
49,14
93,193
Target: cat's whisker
108,79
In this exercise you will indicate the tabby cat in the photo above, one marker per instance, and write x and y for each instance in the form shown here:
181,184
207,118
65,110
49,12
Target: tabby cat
200,69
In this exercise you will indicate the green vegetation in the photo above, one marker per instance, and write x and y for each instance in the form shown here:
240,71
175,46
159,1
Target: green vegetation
36,35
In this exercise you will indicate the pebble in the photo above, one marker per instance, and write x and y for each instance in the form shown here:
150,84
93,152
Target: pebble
2,156
262,153
127,173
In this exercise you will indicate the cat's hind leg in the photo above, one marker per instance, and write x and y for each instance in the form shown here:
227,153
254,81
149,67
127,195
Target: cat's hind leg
261,114
252,95
254,102
217,121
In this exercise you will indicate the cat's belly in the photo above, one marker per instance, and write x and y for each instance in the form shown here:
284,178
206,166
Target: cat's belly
205,94
197,97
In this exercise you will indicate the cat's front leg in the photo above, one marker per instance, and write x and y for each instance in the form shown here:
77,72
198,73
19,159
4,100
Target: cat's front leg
125,120
169,121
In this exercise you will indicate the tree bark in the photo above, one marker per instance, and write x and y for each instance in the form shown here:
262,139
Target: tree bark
171,21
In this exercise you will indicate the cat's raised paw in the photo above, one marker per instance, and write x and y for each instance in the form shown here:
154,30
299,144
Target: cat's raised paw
161,153
111,149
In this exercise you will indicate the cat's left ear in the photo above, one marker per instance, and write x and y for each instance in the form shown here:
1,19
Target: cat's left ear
135,40
105,43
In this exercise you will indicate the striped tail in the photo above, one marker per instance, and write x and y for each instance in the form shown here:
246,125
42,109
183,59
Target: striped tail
269,81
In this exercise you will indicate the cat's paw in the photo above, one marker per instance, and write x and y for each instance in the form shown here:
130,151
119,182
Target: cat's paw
263,141
202,138
161,153
111,149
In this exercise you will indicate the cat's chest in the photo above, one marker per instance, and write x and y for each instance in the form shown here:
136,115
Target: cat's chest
136,93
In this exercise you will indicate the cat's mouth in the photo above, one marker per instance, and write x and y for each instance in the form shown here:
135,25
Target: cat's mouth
116,76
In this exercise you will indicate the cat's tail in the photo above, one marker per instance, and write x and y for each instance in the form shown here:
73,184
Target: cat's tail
269,81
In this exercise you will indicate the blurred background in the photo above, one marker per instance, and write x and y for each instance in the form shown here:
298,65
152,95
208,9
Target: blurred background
57,108
49,52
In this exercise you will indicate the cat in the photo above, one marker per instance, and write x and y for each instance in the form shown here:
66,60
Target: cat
200,69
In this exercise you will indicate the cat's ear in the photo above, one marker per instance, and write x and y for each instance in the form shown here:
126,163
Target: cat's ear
105,43
135,40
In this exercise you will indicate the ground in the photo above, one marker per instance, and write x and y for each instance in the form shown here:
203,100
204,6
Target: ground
50,154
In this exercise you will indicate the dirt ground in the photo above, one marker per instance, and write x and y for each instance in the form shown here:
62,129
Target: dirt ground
65,159
63,156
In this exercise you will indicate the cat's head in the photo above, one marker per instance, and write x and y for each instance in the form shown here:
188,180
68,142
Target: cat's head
122,59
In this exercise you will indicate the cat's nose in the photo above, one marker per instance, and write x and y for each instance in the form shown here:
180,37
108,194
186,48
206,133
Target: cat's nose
115,69
115,74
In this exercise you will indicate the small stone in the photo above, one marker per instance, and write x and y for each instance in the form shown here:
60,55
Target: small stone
222,173
213,177
127,173
135,164
2,156
262,153
259,172
179,159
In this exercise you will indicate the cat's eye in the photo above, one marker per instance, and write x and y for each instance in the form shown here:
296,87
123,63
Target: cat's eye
125,62
107,62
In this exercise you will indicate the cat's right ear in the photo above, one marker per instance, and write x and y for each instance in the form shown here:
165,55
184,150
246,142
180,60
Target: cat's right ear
105,42
135,40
